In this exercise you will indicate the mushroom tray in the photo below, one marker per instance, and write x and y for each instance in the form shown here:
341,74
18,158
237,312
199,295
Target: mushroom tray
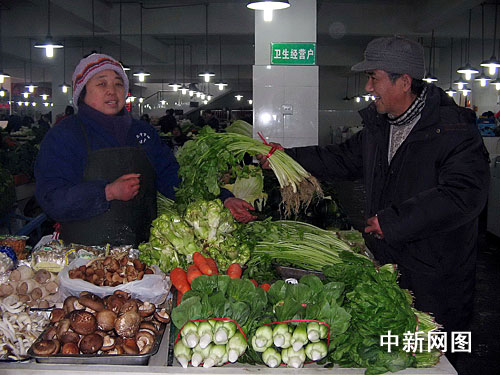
88,329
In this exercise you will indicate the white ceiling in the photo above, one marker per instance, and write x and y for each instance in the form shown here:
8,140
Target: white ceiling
344,28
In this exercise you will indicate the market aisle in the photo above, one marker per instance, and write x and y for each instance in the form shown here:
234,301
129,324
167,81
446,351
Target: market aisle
485,356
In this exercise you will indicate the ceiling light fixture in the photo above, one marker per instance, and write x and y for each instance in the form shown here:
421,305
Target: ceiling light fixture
48,43
125,67
31,86
206,74
483,79
468,70
221,84
141,73
268,6
429,78
175,86
492,64
64,86
450,91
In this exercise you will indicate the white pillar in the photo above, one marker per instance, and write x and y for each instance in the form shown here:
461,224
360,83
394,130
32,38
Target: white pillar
285,98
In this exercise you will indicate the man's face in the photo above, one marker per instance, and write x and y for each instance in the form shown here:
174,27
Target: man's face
105,92
389,96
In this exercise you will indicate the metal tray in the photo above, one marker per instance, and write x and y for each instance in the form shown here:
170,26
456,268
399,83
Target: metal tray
101,359
296,273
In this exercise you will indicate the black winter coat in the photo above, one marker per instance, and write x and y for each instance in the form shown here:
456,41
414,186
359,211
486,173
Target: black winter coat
427,199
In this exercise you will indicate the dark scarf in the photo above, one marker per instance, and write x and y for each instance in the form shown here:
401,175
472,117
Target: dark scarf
117,125
412,112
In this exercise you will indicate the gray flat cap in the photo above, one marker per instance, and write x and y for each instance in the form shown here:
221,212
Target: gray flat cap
393,55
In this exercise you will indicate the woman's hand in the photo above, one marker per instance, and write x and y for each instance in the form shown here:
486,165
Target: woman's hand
124,188
239,209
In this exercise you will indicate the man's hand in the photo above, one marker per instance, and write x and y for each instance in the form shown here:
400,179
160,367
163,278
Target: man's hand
239,209
373,227
124,188
264,162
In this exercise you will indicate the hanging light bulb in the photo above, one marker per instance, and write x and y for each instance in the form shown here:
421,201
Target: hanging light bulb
141,99
132,98
450,91
184,89
268,7
46,104
175,86
467,71
19,103
492,64
460,83
48,43
64,87
221,85
205,102
496,83
33,104
482,79
250,101
198,94
141,74
209,97
3,76
26,103
2,92
31,87
357,99
238,97
26,94
44,96
367,97
163,101
429,78
191,92
466,91
202,96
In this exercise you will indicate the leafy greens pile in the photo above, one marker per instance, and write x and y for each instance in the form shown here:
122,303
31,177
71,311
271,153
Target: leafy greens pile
377,304
205,161
204,227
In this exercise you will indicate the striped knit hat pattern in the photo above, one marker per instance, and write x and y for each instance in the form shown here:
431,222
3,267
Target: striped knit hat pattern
90,66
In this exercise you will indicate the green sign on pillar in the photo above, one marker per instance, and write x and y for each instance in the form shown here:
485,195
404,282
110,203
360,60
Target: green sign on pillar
293,53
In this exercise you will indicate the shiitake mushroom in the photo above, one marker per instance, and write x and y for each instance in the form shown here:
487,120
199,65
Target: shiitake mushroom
106,320
83,322
90,344
127,324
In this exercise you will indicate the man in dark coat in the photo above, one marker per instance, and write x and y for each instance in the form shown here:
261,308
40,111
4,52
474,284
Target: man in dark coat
168,122
426,175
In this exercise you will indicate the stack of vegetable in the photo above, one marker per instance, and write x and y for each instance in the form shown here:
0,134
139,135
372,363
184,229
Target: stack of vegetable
291,344
377,305
205,161
218,296
205,228
212,342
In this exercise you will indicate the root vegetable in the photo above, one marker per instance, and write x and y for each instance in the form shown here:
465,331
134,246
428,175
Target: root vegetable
38,293
52,287
6,289
42,276
27,286
21,273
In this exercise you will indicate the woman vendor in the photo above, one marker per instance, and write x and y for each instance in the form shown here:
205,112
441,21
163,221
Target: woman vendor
98,171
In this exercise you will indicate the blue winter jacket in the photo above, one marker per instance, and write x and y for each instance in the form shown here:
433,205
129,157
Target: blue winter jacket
61,162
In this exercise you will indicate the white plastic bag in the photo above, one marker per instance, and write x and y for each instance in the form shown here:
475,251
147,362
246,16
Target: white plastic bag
152,288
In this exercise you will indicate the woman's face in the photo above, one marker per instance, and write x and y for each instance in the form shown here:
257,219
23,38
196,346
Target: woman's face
105,92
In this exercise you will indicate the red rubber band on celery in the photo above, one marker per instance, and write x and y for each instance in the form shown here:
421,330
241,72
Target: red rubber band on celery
273,148
219,319
300,321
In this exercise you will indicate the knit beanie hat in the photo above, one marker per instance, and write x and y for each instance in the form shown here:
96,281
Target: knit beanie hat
90,66
393,55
